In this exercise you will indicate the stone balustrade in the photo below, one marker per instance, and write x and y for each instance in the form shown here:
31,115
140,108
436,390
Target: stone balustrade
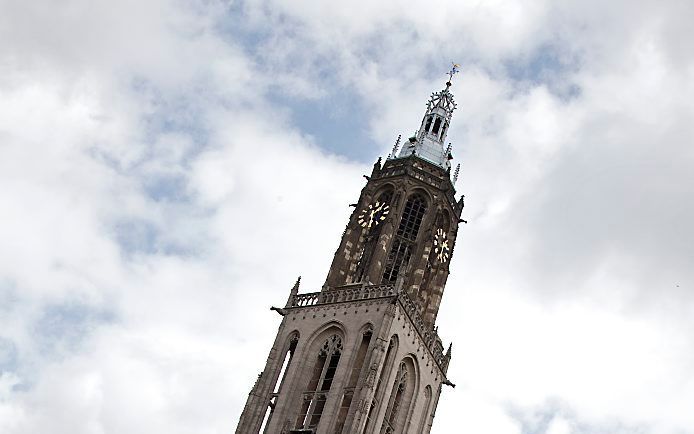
367,292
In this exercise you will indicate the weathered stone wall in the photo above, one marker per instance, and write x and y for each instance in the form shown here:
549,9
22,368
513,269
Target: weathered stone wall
387,319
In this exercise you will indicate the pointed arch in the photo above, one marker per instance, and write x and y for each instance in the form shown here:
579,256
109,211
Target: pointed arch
443,130
425,410
437,125
405,237
380,386
428,124
287,355
401,397
355,373
322,357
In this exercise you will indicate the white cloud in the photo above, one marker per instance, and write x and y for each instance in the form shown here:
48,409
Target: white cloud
559,426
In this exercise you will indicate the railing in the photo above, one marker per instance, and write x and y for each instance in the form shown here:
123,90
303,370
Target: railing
349,293
366,292
430,337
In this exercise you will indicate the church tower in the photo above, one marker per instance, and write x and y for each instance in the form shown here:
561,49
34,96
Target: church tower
363,355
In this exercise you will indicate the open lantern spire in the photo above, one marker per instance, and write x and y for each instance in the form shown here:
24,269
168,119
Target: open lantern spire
428,142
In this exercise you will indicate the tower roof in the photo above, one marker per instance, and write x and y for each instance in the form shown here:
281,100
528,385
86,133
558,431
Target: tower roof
428,142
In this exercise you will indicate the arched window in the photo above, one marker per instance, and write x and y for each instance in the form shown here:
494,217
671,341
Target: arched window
405,237
426,128
425,410
370,241
348,393
288,355
380,385
437,125
396,400
319,385
443,130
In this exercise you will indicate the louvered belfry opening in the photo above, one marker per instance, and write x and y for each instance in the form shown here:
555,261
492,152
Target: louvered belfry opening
405,237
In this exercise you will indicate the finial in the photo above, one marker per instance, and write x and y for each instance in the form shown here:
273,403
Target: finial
376,169
395,147
295,288
450,348
456,173
454,70
292,295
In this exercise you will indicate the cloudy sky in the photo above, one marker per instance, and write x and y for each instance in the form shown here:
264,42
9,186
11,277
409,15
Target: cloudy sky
169,167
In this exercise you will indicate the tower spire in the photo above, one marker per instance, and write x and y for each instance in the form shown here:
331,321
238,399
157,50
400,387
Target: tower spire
354,373
429,140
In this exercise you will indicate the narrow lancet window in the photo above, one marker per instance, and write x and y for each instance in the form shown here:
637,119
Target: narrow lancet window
380,385
437,125
348,393
391,418
425,410
443,131
288,355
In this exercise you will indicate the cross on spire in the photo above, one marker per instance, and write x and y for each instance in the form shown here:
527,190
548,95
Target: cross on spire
455,68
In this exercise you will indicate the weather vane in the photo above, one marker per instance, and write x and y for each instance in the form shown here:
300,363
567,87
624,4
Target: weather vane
454,70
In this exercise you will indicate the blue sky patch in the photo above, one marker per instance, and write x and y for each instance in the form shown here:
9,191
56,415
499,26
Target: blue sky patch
63,327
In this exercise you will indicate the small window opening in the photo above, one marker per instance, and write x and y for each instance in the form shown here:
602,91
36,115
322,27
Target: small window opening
437,125
426,128
443,131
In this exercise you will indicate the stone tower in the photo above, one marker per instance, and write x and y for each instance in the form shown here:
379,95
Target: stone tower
363,354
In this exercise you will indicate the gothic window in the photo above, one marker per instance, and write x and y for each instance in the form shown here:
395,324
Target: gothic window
369,243
293,341
396,400
426,128
443,130
348,393
288,355
316,393
415,208
380,385
405,236
437,125
425,410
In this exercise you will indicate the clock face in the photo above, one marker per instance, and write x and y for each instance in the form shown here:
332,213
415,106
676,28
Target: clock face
441,248
374,214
